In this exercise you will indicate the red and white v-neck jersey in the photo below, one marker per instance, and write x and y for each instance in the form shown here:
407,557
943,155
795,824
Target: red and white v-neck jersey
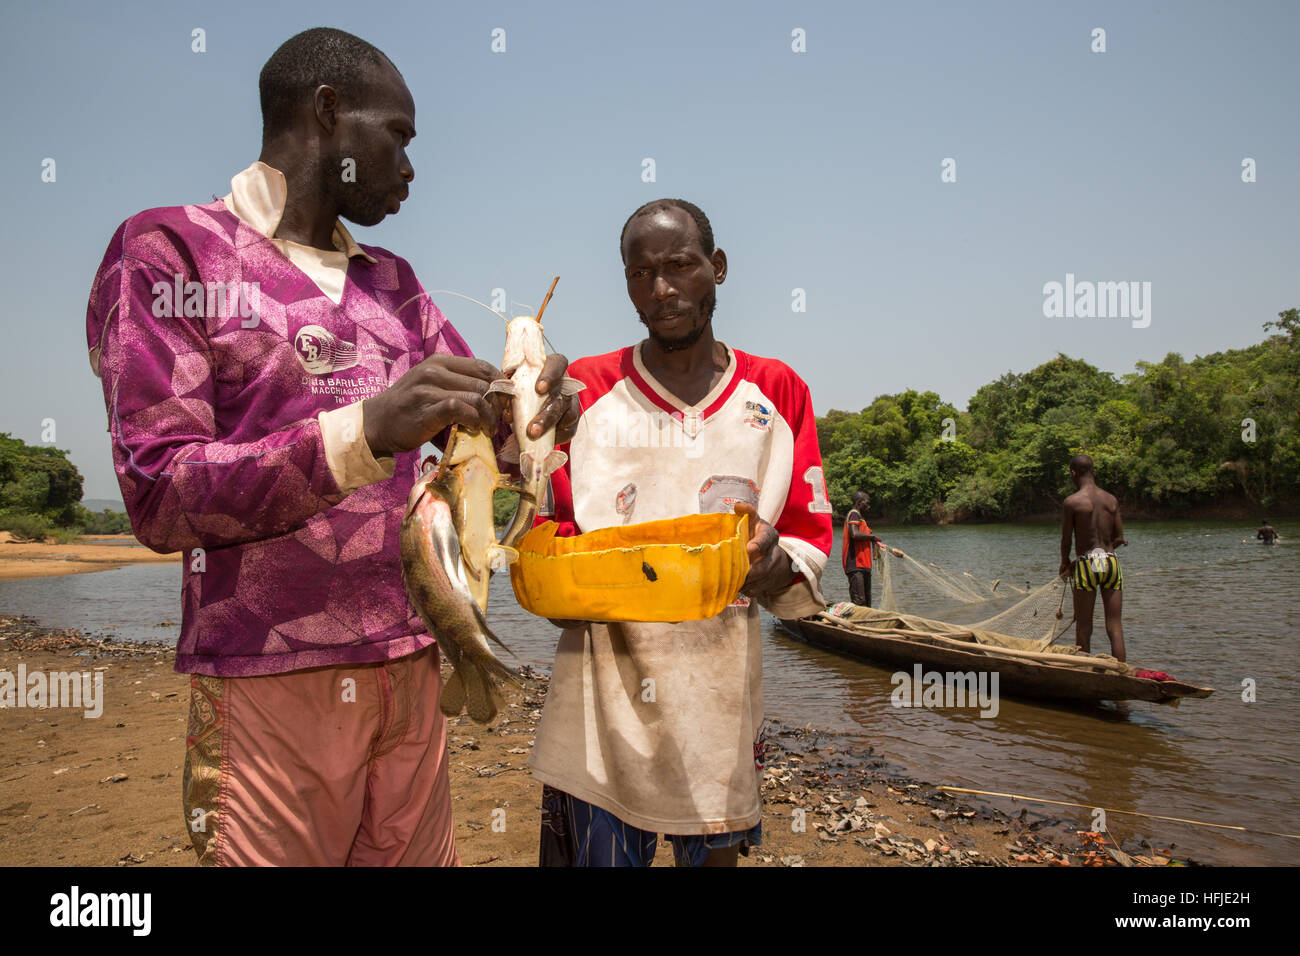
658,723
641,454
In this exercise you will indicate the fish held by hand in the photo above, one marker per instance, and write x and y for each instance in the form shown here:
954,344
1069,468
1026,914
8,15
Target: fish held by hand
435,580
525,355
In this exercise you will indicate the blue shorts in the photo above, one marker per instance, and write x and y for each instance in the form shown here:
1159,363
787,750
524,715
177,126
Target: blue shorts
577,833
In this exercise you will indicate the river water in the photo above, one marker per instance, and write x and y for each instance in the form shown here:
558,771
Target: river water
1199,602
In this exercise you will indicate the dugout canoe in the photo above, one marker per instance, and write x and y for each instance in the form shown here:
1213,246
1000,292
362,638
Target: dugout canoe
1075,677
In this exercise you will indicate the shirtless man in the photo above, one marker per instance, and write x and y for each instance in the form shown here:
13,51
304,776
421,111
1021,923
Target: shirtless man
1267,533
1092,516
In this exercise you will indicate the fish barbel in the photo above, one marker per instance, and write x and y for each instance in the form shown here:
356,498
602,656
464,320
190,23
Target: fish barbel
537,457
435,574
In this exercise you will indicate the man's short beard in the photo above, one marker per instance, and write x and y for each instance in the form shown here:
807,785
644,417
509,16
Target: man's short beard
363,208
354,203
681,343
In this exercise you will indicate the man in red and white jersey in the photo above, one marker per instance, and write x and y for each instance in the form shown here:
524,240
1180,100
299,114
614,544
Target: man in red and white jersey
656,728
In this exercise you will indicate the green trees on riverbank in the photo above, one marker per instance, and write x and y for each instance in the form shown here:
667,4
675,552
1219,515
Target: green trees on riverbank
1171,437
40,495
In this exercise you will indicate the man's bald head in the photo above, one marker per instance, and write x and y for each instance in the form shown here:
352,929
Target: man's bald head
1082,465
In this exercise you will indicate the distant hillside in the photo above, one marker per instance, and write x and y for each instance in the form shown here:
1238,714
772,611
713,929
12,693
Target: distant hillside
100,504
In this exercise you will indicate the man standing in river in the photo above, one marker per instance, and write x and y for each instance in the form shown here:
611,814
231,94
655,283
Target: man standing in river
1092,518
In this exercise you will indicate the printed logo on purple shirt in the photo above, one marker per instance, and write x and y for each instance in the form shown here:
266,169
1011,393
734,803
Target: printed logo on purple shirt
321,351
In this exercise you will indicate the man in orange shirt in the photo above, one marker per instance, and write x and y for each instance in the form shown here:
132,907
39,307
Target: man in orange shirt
856,549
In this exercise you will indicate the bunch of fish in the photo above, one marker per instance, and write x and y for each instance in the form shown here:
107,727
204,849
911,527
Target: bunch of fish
449,543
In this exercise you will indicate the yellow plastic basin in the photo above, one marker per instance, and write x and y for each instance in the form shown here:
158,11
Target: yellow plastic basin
678,569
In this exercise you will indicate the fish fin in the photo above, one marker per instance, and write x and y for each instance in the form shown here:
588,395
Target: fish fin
554,461
447,553
498,670
570,386
452,699
502,385
510,676
487,631
500,557
489,665
470,567
504,671
510,451
526,463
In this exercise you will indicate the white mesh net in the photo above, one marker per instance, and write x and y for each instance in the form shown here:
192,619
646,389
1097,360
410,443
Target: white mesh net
1039,616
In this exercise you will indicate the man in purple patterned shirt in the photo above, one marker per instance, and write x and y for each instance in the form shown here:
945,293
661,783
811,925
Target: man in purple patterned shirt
269,383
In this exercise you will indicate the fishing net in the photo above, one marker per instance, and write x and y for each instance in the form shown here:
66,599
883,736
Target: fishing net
1041,615
963,588
910,625
907,584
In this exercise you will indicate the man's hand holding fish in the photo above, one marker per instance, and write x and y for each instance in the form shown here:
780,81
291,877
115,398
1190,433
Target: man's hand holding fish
446,390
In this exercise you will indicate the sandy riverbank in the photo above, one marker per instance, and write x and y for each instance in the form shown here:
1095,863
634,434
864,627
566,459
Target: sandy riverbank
95,552
106,791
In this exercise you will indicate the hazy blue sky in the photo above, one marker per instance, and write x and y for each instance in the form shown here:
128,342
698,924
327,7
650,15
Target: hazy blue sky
820,170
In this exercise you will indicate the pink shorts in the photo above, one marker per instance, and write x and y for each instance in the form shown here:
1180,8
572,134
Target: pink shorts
335,766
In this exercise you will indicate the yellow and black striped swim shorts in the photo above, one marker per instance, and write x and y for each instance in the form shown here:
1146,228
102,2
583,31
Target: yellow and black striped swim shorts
1095,570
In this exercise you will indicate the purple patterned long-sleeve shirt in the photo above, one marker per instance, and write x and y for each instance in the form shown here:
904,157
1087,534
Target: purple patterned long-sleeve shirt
212,408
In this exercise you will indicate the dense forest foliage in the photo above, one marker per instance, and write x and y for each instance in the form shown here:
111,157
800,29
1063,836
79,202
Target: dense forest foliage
40,494
1170,438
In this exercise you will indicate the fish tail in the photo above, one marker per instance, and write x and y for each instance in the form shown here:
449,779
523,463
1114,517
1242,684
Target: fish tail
481,704
522,522
452,700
